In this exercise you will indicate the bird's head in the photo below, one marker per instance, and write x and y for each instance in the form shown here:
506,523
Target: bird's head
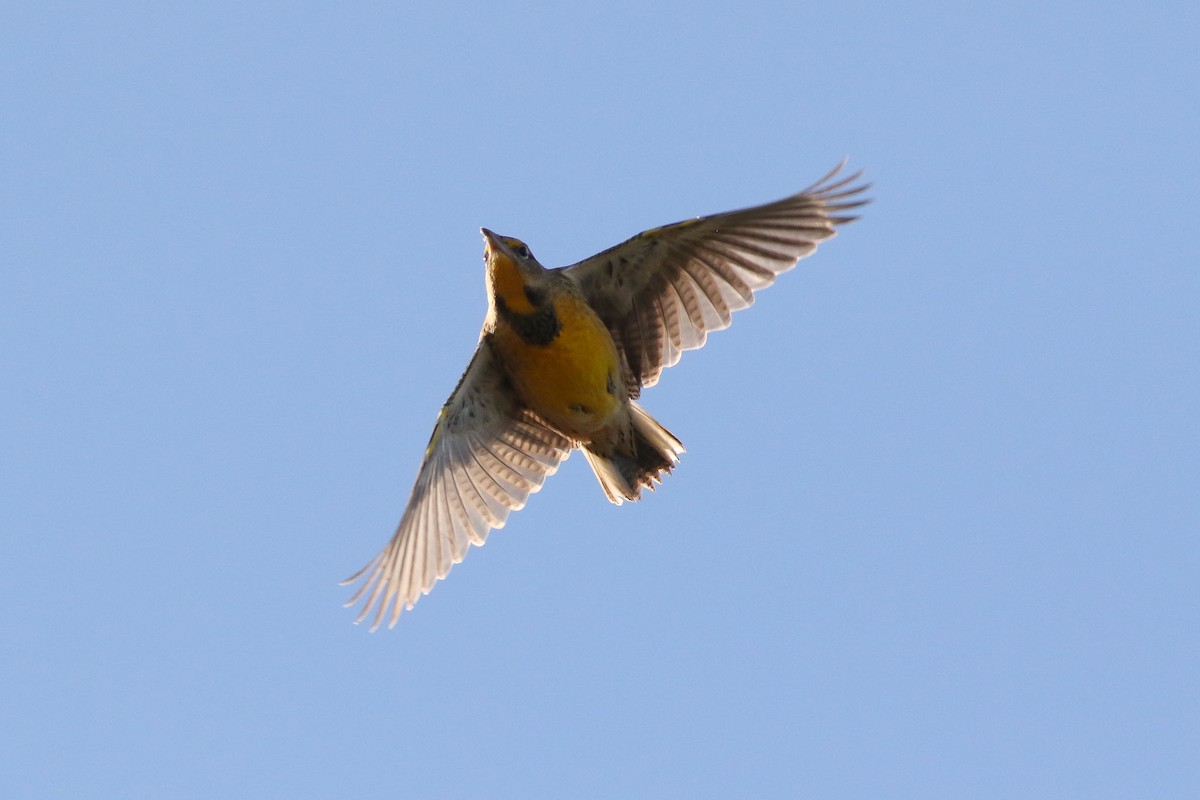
514,276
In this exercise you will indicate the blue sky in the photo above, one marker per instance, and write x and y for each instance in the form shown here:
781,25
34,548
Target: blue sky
935,534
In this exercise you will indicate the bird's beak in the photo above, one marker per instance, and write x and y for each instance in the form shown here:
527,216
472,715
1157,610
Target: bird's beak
491,242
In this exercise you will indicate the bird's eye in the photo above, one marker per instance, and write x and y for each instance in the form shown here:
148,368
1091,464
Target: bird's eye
521,250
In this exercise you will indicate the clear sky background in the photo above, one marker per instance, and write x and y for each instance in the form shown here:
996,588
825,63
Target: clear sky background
936,531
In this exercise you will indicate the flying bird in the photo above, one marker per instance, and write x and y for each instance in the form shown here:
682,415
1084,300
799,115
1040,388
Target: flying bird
562,359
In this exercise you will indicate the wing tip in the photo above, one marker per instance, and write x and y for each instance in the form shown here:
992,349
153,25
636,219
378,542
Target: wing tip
833,185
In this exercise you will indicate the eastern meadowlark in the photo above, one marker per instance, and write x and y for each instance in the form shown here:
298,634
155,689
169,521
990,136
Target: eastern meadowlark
562,357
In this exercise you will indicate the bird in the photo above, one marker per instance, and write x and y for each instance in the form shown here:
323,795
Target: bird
561,362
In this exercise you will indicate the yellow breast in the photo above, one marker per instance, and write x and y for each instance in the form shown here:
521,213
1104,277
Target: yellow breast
574,381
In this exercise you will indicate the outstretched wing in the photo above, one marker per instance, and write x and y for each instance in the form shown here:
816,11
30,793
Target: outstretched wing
486,455
662,291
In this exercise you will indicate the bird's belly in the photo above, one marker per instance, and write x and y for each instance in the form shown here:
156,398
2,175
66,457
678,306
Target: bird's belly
572,382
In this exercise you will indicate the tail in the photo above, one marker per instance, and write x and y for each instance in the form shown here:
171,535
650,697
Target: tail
631,454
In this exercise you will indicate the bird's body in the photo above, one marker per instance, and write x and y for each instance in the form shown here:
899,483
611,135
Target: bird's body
570,378
564,366
563,356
